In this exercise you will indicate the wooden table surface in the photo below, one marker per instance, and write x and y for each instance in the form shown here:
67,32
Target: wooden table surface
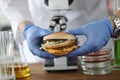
37,73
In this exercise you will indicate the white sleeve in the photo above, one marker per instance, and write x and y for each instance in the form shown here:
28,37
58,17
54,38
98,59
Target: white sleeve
16,11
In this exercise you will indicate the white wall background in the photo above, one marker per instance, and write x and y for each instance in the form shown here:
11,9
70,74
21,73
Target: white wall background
3,19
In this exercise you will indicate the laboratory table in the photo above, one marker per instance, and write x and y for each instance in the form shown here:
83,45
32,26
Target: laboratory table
37,73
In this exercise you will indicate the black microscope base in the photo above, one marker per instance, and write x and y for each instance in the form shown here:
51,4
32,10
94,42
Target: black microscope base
72,64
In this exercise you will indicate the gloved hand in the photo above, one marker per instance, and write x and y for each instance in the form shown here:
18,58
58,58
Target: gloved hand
34,36
98,34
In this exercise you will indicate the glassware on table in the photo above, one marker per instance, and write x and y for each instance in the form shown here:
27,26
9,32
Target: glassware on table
116,7
97,63
117,54
13,48
6,68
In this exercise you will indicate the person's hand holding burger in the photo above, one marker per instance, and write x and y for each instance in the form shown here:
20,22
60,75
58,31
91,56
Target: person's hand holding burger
98,33
34,37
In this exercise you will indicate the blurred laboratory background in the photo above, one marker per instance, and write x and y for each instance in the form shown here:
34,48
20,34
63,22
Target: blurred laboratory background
4,22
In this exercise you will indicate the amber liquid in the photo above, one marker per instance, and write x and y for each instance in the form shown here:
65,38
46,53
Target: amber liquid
21,70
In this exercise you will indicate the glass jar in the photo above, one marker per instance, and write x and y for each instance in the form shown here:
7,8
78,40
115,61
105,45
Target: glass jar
97,63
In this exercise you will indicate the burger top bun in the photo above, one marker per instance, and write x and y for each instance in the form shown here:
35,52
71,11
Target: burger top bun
59,35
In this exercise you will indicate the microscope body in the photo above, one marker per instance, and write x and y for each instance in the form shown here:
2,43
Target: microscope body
58,23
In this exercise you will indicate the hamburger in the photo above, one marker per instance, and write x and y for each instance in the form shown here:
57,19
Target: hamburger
59,43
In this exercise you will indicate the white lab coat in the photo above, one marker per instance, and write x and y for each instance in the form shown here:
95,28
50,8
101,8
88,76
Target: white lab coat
83,11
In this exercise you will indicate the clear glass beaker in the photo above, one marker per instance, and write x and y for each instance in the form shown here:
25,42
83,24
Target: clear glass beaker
14,48
6,68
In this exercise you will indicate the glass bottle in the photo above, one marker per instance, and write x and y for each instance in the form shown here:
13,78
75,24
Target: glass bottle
117,53
115,6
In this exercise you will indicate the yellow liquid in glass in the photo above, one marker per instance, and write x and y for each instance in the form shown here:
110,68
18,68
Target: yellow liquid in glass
21,70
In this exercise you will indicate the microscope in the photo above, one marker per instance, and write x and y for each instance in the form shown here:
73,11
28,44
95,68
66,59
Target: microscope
58,22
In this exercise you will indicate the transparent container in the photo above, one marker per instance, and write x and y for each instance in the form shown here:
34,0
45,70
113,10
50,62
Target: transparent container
6,73
115,7
14,48
117,54
97,63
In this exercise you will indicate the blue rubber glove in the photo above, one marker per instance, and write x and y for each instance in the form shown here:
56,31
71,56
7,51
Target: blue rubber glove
34,36
98,34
